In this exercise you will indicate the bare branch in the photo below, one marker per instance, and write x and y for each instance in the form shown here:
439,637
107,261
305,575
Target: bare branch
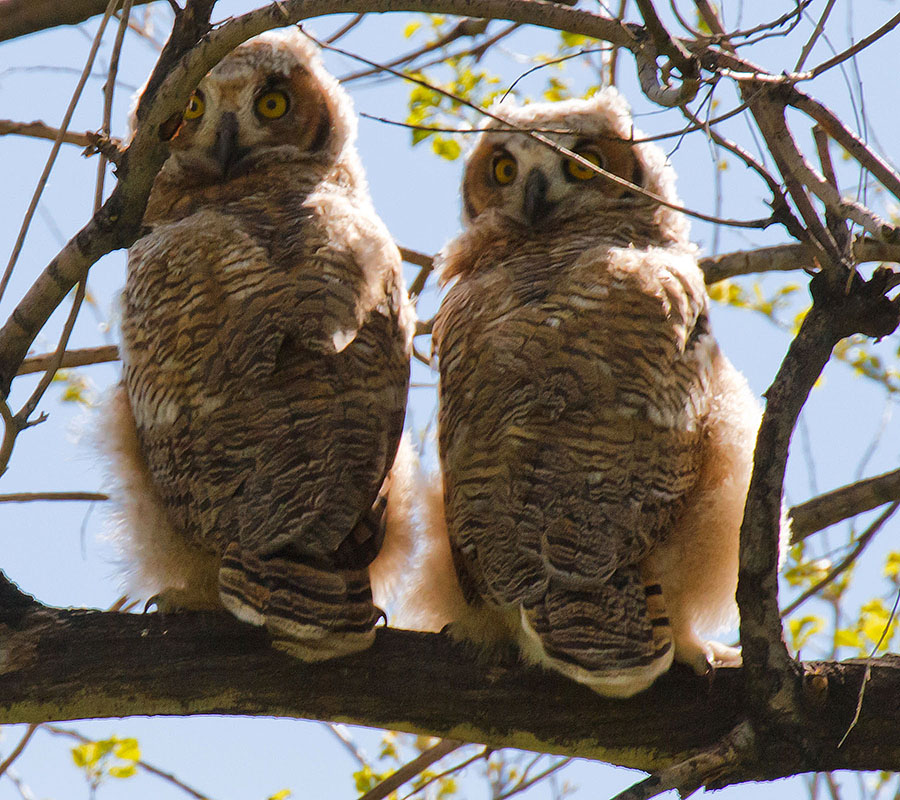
71,358
32,497
814,36
772,676
74,664
409,771
855,146
848,501
699,770
861,544
153,770
857,47
18,749
51,159
40,130
787,257
21,17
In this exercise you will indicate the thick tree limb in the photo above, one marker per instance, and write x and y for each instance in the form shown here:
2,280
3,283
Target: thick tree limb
21,17
772,676
61,664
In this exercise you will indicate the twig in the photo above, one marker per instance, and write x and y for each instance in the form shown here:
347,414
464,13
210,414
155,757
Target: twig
153,770
17,750
868,673
454,769
698,770
55,360
814,37
40,130
758,223
409,771
21,17
108,90
341,32
848,501
858,47
337,730
467,26
523,785
548,63
71,358
861,543
855,146
32,497
614,53
425,262
11,430
51,159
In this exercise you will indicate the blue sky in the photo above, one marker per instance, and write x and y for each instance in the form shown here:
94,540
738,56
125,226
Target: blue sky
57,551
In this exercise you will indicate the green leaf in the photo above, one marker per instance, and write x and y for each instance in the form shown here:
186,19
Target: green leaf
282,795
123,771
86,755
127,750
411,28
573,39
803,629
446,148
845,637
892,565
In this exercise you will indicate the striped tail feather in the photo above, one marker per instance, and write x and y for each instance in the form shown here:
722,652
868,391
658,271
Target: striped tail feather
315,612
614,638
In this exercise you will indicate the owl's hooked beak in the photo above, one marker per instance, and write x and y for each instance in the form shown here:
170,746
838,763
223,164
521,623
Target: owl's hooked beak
536,206
226,150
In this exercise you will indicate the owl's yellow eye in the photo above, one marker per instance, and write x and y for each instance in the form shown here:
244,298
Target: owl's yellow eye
505,169
195,107
272,105
581,172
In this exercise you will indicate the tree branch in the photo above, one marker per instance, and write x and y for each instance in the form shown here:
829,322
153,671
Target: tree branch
772,676
848,501
21,17
71,664
787,257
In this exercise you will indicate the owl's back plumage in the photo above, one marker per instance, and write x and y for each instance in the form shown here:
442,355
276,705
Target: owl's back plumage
585,408
266,338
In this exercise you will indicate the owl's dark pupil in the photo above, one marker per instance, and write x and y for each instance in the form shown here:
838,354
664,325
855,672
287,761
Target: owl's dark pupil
270,104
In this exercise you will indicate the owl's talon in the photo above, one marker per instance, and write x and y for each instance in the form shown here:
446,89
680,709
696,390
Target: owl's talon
380,616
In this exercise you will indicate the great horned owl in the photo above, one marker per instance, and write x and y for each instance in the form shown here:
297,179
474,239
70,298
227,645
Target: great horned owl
266,339
595,444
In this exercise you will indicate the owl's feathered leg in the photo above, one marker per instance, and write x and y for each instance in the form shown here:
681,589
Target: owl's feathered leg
162,564
314,612
613,638
697,564
390,569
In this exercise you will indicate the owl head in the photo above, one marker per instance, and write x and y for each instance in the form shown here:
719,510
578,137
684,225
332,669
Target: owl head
268,101
512,179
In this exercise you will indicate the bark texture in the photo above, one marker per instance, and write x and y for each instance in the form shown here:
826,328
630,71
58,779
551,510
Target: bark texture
70,664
